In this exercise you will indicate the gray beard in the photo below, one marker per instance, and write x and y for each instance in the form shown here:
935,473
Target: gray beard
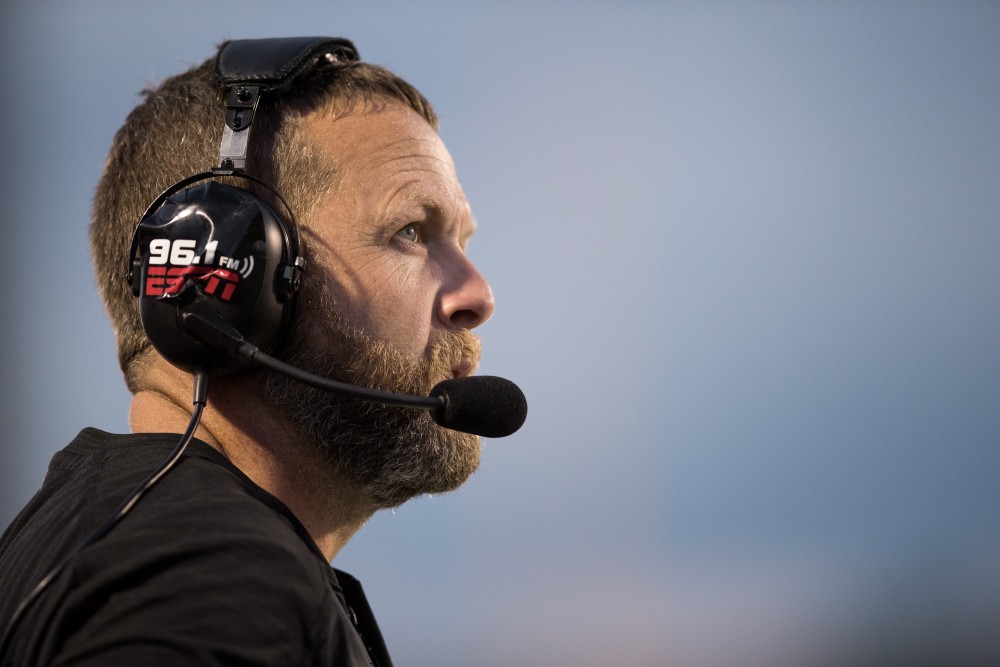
391,453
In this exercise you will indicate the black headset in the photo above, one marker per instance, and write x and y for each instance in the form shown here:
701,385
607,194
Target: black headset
207,244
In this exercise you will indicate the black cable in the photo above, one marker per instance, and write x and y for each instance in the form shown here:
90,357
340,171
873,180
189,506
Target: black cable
200,398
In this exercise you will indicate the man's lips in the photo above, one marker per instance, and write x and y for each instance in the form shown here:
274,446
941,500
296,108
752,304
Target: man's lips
463,369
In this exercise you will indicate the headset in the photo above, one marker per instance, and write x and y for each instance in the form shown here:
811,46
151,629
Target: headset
204,245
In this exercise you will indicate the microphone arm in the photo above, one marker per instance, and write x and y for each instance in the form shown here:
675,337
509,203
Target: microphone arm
207,326
253,353
484,405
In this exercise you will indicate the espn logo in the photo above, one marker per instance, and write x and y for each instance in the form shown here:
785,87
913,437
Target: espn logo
168,280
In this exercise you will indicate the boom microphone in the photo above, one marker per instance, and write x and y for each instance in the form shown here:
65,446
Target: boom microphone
490,406
483,404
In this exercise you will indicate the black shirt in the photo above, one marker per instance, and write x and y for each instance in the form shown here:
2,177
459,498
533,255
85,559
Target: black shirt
207,568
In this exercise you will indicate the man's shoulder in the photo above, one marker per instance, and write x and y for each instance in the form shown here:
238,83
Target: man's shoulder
203,521
206,560
206,509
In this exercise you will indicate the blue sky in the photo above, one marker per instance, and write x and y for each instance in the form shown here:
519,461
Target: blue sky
745,262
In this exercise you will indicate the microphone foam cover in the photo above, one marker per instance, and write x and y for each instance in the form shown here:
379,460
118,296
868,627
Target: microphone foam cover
486,405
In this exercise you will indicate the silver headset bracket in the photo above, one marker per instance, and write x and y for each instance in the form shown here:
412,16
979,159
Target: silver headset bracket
241,104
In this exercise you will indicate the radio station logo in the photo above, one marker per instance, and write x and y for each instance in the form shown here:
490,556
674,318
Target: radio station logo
173,262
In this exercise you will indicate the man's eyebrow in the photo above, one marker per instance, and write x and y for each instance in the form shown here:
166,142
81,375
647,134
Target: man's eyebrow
437,207
469,228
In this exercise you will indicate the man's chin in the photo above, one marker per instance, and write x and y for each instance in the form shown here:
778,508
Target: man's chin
446,463
392,453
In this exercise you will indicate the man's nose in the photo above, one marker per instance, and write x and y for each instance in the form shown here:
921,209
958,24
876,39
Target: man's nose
466,298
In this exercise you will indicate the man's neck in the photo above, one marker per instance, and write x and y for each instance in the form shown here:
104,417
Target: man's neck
240,423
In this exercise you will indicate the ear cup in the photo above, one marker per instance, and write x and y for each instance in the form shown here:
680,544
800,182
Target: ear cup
217,245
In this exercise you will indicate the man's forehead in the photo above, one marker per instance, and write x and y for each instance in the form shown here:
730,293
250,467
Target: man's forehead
390,127
392,157
393,139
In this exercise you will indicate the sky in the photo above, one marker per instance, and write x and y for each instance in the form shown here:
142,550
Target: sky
745,262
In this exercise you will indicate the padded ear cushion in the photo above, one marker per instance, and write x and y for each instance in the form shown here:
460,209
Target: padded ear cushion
219,245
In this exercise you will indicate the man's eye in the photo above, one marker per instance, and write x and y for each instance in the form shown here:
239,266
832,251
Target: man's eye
411,232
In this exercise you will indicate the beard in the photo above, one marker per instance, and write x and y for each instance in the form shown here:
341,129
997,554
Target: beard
391,453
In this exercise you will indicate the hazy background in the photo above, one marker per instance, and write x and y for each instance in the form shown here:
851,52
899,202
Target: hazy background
745,258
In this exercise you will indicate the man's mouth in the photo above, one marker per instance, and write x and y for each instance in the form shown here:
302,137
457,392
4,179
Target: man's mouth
463,369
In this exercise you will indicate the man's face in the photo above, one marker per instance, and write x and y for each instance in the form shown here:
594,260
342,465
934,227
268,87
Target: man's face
391,236
388,302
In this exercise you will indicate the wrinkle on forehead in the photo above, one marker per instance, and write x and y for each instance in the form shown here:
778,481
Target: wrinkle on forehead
390,160
368,140
392,115
333,124
424,154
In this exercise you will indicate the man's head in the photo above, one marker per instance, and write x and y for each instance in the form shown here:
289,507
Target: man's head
393,307
175,132
388,295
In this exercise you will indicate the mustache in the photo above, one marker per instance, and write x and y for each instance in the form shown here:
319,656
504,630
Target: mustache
380,366
455,351
340,350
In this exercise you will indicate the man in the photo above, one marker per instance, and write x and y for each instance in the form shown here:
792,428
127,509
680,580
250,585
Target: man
225,560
